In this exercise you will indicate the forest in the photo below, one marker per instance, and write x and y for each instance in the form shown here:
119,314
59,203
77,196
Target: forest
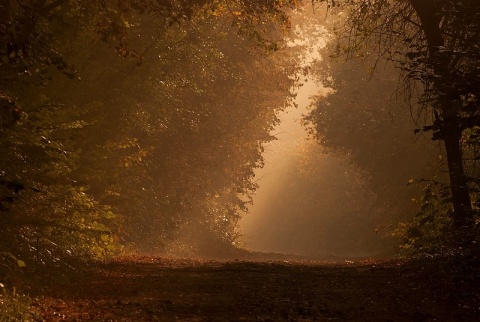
132,134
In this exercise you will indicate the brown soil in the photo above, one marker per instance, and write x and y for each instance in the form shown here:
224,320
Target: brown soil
160,289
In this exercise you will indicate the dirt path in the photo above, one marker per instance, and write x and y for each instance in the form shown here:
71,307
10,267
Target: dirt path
155,289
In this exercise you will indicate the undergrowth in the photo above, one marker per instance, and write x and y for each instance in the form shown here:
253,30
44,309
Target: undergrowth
15,307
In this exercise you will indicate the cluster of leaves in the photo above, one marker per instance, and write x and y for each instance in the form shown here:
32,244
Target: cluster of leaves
429,233
255,19
46,215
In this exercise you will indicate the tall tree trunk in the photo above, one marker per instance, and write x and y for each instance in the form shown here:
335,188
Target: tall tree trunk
462,206
429,12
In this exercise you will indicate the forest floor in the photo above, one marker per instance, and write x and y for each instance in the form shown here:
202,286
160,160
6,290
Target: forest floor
160,289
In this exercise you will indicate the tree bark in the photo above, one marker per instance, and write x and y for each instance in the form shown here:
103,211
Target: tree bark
462,215
429,12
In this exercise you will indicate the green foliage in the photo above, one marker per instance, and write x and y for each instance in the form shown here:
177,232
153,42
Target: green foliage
52,218
15,307
429,233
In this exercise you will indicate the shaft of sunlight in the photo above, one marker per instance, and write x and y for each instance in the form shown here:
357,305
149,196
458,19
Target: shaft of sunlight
281,155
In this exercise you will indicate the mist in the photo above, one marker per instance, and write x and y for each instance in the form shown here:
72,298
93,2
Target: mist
309,202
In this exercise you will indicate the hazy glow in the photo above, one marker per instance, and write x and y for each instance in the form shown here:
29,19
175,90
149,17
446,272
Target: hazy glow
280,156
308,203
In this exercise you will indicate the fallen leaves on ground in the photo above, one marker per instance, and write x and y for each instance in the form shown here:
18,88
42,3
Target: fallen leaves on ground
142,288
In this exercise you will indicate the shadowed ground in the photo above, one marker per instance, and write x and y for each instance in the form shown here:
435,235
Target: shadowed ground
159,289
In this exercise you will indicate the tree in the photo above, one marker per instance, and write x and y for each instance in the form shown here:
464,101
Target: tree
435,43
33,32
139,146
358,120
